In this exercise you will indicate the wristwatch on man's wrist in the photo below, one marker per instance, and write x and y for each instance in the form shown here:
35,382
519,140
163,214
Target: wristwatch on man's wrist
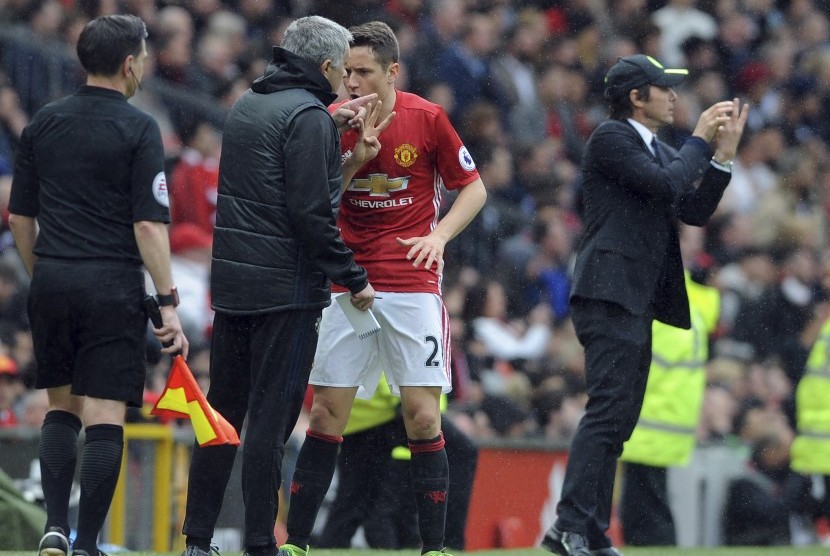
171,299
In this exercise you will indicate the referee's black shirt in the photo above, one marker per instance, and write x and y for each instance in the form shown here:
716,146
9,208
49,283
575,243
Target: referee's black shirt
88,166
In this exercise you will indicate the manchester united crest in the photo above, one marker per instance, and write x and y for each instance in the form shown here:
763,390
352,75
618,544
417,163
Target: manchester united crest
405,155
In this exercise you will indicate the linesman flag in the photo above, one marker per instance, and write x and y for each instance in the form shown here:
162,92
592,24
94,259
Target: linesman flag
182,398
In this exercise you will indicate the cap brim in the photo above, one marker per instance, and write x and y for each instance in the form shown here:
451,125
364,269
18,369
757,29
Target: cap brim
671,78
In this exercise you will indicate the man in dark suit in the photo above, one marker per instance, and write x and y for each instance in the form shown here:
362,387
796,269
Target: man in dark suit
628,271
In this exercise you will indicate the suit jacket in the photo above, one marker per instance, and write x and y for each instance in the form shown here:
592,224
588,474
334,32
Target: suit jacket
630,251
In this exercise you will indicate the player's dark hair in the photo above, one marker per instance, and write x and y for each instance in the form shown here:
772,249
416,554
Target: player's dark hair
621,108
107,40
380,38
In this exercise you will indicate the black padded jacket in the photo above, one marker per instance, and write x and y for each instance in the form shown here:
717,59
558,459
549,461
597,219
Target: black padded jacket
276,244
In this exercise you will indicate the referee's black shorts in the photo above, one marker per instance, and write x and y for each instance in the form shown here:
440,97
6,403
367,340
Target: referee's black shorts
89,328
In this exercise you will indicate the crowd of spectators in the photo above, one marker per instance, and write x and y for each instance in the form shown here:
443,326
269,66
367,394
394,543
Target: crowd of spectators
522,81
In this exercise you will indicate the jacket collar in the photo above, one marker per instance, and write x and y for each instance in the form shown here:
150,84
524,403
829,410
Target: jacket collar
289,71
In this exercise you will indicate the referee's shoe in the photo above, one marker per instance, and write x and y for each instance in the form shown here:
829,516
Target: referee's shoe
54,543
565,543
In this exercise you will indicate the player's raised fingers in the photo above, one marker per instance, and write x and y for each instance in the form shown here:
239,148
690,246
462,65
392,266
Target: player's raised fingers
372,114
356,103
385,123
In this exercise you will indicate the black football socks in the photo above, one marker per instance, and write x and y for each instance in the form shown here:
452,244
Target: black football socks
430,479
58,453
100,466
312,477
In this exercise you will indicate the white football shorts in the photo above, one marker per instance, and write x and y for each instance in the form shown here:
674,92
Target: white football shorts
412,347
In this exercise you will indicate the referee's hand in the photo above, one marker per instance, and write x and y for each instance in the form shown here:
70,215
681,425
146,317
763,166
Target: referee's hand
171,331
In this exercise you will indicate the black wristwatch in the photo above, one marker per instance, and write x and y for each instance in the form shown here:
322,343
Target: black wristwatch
170,299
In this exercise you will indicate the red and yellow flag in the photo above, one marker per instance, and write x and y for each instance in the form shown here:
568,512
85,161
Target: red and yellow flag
182,398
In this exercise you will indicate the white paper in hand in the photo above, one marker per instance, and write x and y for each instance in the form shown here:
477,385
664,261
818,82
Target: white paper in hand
364,322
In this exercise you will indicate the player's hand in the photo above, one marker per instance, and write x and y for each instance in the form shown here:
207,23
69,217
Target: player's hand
368,146
729,134
171,331
364,299
349,113
711,119
427,250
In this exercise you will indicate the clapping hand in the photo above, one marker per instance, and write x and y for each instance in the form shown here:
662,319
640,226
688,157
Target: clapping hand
728,133
711,119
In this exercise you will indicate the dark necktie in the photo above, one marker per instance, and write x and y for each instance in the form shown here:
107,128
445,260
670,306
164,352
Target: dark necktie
656,150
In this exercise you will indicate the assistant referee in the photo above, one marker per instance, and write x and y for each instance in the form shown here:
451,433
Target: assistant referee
89,206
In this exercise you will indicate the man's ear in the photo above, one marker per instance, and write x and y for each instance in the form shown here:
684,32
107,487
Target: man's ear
392,72
127,65
635,97
325,66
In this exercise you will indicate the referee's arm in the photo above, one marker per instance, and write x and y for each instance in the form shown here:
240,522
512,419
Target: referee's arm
154,246
24,230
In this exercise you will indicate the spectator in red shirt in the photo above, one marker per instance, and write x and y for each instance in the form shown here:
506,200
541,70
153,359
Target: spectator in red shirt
11,389
196,177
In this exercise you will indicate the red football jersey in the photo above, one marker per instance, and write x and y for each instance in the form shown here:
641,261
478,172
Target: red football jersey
398,194
193,191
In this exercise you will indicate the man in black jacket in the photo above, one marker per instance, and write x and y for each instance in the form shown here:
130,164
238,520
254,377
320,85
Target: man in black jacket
276,248
767,503
628,272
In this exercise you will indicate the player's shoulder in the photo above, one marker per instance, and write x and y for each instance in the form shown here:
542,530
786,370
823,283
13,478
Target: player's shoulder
411,101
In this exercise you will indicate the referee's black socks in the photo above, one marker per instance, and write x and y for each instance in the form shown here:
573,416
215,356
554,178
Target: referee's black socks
58,453
100,466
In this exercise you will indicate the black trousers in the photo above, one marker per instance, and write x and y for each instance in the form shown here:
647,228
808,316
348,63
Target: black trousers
617,358
645,512
259,366
375,491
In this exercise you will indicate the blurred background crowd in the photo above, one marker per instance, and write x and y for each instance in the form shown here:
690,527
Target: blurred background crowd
522,81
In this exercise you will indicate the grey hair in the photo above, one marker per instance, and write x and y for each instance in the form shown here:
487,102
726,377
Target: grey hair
318,39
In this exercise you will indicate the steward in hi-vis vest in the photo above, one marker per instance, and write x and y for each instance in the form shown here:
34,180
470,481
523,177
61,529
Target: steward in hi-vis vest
665,431
810,451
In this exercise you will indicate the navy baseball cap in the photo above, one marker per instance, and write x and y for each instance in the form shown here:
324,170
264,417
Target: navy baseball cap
635,71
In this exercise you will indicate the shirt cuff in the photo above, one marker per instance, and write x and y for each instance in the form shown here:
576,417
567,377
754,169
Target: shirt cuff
722,167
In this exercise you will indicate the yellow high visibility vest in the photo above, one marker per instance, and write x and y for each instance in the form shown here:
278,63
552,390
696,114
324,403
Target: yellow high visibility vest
665,431
366,414
381,408
810,451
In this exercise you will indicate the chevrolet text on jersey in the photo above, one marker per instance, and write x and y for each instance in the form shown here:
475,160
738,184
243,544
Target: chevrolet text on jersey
388,203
